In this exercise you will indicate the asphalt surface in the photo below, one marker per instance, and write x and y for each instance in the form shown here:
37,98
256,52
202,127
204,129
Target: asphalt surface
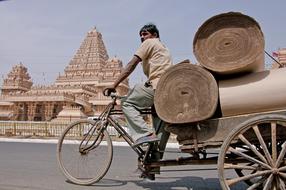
33,166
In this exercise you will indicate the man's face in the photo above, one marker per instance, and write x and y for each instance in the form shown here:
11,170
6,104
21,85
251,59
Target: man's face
146,35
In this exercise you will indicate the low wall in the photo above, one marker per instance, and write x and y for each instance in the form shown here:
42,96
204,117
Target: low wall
37,129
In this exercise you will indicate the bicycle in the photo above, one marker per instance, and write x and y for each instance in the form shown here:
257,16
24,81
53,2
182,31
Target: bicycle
88,141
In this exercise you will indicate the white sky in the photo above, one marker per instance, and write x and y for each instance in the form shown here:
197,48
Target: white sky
45,34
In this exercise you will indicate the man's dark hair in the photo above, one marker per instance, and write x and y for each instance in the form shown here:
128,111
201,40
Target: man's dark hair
150,28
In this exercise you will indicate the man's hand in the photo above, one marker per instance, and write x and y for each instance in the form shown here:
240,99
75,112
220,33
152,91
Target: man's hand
108,90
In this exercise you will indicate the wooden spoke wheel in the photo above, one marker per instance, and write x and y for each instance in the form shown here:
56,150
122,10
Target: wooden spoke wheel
255,149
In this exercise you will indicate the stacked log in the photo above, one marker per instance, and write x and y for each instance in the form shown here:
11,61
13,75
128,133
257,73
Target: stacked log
230,43
230,78
225,45
186,93
253,93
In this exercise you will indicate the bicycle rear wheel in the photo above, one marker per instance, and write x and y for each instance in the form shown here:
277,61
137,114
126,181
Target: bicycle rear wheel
81,161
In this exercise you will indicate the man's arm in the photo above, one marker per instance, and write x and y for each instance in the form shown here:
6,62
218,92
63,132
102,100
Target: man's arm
127,70
125,73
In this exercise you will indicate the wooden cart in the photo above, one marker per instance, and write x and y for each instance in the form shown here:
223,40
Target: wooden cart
253,145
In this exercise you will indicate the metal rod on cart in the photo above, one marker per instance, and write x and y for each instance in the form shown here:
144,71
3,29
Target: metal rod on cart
193,169
280,65
183,161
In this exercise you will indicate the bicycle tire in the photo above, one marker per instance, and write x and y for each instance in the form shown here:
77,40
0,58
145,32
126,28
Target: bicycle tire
87,168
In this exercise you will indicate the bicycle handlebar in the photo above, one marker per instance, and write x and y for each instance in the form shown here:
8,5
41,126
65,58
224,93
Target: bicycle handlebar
114,95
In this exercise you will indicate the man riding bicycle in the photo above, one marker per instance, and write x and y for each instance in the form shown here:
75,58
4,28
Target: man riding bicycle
155,59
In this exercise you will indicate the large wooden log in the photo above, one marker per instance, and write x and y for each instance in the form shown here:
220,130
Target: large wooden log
230,43
253,93
186,93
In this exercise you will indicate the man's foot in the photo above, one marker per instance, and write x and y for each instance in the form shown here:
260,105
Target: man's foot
148,177
147,139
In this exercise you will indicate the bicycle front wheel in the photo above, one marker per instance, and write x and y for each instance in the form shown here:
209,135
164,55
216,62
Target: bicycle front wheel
84,152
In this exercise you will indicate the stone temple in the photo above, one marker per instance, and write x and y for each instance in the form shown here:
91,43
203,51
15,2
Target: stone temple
74,95
281,58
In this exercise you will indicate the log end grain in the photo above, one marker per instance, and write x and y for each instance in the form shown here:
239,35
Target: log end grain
230,43
186,93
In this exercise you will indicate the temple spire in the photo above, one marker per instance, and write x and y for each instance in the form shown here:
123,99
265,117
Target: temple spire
89,58
18,80
91,63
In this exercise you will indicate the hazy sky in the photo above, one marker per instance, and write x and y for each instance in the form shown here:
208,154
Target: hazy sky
45,34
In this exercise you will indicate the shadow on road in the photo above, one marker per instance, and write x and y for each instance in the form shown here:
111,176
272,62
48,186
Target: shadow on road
105,183
168,183
187,183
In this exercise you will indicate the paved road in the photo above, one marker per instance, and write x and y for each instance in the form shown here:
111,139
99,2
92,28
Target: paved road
33,166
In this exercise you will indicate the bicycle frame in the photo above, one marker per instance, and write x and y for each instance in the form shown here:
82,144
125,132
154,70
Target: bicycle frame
107,120
144,163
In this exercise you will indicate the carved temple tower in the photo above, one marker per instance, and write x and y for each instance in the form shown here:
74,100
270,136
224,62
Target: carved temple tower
281,57
17,81
75,94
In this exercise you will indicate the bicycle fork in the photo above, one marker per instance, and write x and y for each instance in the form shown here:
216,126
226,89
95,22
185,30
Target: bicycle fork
95,131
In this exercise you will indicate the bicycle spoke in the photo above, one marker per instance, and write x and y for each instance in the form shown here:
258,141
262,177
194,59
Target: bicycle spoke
262,143
78,167
249,158
282,169
73,150
268,183
282,175
257,184
238,166
274,141
85,168
281,184
281,155
247,177
243,139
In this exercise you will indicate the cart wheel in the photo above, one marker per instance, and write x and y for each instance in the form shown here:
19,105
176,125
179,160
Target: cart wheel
255,149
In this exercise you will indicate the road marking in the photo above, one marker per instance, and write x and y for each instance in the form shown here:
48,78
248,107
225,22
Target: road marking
55,141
